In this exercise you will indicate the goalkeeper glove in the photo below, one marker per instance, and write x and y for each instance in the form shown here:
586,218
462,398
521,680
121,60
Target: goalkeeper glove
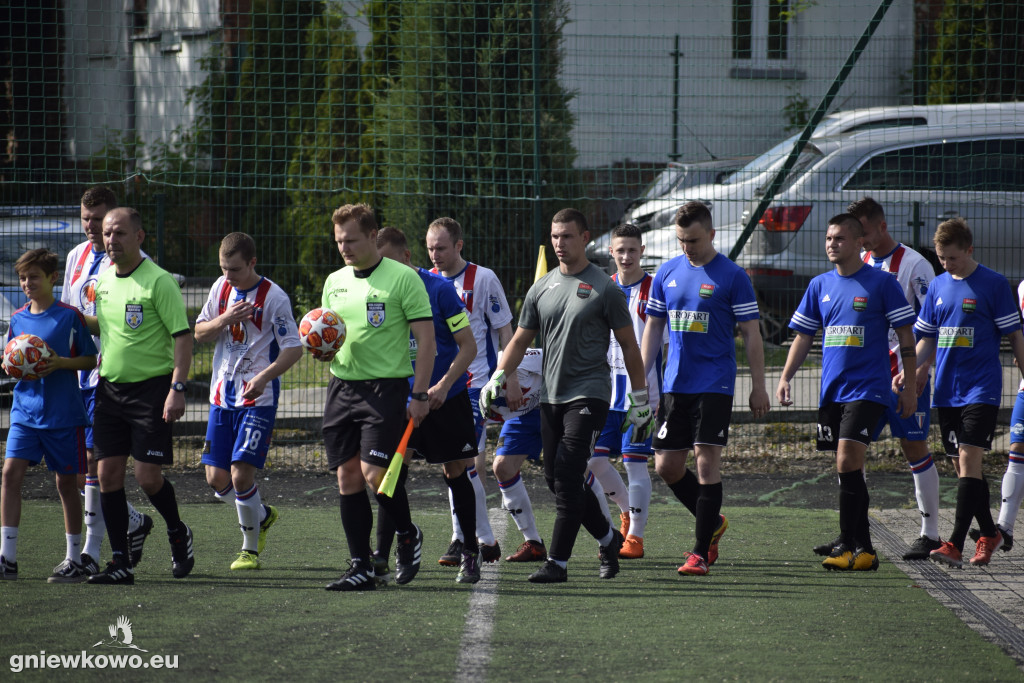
491,391
640,416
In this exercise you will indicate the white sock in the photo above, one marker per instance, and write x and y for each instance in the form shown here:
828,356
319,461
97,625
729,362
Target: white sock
595,484
95,527
484,535
926,489
73,550
639,493
561,563
9,543
250,510
611,480
227,495
135,519
516,501
1013,491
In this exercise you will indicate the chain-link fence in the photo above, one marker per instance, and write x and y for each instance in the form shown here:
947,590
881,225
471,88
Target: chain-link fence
211,116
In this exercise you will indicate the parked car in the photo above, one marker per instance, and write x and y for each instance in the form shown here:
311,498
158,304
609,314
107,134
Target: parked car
57,228
728,198
921,176
679,176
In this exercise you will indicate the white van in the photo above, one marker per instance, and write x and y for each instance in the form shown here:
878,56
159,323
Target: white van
728,199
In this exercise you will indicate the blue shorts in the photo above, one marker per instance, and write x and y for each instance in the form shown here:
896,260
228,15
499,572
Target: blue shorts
238,436
478,418
64,448
89,396
915,427
521,436
1017,420
613,442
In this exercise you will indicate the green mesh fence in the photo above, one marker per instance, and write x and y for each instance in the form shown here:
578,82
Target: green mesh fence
211,116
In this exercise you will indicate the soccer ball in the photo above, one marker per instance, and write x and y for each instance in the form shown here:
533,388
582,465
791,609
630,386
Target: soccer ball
25,356
322,331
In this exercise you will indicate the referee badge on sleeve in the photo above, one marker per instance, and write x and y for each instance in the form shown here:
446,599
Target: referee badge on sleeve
375,313
133,315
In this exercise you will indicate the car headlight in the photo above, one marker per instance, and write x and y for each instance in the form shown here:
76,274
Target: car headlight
664,218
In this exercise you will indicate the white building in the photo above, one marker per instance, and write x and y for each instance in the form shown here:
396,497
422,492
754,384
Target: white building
738,70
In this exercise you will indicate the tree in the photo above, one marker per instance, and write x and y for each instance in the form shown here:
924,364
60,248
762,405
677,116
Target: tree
979,54
327,152
457,125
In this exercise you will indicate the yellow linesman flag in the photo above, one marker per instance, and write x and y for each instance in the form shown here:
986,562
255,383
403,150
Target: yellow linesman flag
542,265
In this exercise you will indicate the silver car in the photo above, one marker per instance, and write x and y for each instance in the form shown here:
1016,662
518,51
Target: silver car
728,197
921,176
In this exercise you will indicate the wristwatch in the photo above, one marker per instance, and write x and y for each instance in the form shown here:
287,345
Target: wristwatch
178,386
421,396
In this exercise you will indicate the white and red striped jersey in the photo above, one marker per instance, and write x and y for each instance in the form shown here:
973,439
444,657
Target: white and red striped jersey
81,271
488,310
246,349
636,298
915,274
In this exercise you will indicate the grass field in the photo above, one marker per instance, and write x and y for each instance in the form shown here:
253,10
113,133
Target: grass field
767,611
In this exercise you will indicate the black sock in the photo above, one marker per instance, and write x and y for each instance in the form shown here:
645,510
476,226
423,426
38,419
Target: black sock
966,501
385,524
398,506
464,506
115,515
167,505
709,509
593,519
385,532
687,490
850,506
357,519
863,533
982,511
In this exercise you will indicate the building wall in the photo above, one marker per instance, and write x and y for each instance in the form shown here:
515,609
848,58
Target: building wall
618,60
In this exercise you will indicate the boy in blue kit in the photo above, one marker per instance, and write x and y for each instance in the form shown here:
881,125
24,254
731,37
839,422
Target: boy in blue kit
700,297
967,311
855,305
47,416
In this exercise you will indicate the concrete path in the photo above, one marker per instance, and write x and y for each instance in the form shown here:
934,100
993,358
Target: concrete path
990,599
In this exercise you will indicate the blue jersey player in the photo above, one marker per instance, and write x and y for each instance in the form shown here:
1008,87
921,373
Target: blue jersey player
967,311
855,305
48,416
447,435
701,296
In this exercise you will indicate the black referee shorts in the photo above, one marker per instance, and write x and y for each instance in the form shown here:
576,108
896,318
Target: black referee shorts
129,420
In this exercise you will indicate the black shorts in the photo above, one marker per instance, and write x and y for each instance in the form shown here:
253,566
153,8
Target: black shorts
129,420
970,425
364,418
853,421
448,433
688,419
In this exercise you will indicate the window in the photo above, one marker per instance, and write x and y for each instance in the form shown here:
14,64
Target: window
760,30
977,165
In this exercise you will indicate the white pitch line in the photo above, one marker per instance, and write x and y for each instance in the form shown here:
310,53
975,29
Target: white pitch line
475,645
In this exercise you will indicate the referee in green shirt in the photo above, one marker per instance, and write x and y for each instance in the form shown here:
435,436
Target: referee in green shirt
147,351
381,301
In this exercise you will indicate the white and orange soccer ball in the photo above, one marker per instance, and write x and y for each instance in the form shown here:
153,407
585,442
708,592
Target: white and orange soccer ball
25,356
322,331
